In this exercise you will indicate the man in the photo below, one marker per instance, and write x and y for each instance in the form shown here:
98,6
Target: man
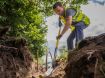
73,19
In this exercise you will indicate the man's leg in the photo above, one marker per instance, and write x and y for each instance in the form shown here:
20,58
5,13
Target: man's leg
79,32
79,36
70,40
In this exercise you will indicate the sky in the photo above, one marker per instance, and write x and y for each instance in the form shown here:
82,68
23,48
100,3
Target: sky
95,12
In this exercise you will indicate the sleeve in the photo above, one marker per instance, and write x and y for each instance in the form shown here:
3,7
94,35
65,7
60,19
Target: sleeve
70,12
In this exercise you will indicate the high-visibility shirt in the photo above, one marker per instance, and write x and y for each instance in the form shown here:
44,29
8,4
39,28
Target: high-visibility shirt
78,17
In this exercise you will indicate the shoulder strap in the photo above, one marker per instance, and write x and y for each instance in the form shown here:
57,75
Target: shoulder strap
60,23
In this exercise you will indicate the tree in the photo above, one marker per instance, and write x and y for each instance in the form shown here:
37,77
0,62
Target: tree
24,20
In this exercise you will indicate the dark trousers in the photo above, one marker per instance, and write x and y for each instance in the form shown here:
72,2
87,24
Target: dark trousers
77,34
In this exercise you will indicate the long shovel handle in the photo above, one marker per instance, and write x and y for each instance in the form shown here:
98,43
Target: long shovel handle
55,52
57,40
57,43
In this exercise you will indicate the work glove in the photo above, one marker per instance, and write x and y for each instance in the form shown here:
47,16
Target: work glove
59,36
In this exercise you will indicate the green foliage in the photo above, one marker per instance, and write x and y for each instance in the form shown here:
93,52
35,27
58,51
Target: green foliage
79,2
25,19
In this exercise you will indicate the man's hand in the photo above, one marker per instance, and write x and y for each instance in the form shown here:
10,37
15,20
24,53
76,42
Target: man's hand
59,36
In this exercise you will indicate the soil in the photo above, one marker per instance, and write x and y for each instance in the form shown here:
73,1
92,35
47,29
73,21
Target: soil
15,58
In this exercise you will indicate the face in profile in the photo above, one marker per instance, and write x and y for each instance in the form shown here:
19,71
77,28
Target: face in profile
59,10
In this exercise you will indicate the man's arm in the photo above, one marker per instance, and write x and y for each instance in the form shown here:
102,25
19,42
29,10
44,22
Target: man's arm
67,24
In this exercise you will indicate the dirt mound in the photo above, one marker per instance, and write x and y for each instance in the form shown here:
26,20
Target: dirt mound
15,58
59,72
88,61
